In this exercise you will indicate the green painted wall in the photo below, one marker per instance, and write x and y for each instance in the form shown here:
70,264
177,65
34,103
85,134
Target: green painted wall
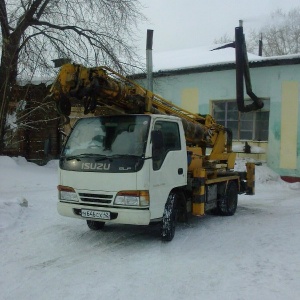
267,82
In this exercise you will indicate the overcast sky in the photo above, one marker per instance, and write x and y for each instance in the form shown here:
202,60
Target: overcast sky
179,24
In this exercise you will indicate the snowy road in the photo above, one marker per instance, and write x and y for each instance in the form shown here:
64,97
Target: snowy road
252,255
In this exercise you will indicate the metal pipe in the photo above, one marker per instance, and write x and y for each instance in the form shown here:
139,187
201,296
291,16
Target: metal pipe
149,63
242,71
260,46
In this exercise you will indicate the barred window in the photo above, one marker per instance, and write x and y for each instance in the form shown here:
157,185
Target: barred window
245,126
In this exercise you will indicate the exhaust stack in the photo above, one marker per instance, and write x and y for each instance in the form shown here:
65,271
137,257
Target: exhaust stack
242,71
149,44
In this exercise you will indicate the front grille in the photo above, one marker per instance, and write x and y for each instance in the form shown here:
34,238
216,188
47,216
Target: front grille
98,198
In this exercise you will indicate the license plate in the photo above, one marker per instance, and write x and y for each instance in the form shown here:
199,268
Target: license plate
95,214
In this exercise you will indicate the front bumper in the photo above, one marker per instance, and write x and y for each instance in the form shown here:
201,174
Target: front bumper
120,215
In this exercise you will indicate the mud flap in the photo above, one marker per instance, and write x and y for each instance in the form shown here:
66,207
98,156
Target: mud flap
250,188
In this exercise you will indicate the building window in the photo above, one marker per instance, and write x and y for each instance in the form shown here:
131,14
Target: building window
245,126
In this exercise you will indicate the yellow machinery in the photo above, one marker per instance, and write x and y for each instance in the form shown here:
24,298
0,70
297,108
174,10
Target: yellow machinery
102,91
102,184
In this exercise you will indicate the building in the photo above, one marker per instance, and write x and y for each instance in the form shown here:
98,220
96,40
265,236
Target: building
32,124
203,81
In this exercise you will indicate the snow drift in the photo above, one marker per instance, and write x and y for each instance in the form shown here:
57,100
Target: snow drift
251,255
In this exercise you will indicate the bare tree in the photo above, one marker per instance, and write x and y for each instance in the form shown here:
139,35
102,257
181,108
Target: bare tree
34,32
281,35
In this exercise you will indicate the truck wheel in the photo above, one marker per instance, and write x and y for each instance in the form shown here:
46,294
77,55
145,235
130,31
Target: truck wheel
95,225
228,203
169,218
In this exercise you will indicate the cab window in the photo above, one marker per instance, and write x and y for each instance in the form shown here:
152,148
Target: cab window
171,140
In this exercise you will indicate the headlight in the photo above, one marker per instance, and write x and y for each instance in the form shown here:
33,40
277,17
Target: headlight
132,198
67,193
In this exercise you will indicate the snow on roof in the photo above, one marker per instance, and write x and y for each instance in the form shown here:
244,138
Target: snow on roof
185,59
193,57
201,57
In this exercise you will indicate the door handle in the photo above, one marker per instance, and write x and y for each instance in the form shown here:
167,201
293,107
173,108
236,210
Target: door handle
180,171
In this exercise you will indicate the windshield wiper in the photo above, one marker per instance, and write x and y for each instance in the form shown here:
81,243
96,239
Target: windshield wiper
124,155
111,157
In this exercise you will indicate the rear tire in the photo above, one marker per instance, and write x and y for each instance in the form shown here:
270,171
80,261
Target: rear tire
95,225
169,218
228,204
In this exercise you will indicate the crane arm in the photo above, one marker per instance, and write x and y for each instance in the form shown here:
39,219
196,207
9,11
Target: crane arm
103,89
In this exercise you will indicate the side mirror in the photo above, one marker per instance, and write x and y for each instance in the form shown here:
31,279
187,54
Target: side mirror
157,144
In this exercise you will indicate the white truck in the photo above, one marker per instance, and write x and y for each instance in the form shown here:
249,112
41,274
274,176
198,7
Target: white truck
140,158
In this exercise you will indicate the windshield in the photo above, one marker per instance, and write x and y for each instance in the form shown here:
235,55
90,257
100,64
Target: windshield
108,136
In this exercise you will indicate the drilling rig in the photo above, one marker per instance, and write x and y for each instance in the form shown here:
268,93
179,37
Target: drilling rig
141,159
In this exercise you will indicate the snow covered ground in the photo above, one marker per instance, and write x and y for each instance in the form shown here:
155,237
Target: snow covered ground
253,255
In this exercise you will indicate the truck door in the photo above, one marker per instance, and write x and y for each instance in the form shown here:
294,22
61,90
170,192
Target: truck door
169,171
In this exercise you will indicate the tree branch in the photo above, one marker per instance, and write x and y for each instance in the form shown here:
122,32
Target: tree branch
25,41
3,19
78,30
26,19
42,9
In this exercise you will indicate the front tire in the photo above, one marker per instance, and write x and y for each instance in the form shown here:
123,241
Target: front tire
169,218
228,203
95,225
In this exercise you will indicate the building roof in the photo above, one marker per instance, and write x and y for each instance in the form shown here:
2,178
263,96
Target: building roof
194,60
203,59
193,57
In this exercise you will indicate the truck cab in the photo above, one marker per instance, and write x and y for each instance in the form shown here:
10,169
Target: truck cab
121,168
